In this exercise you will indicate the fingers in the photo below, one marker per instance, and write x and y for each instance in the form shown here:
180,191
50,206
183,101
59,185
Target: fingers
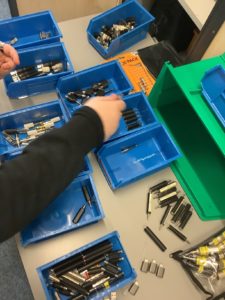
121,105
10,52
8,64
114,97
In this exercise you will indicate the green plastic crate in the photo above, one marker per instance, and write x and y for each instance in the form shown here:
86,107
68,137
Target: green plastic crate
179,104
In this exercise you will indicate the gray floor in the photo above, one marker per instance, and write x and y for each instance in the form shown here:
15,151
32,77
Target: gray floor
13,280
4,9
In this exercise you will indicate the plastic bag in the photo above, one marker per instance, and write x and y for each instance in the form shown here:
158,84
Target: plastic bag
205,264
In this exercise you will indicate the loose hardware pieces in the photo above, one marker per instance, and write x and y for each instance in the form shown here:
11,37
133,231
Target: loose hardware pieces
108,34
145,265
19,137
128,148
44,35
87,272
155,239
180,235
134,288
79,214
86,195
160,271
149,204
153,268
43,69
165,215
131,119
167,196
80,96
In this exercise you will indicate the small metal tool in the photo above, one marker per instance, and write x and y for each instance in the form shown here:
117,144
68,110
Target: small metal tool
149,203
134,288
177,205
79,214
180,235
128,148
44,35
178,213
159,185
167,196
185,220
133,126
168,187
153,266
86,195
167,201
145,265
155,239
160,271
184,213
165,215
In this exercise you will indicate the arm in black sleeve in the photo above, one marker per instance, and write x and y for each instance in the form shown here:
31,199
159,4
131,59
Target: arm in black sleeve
29,182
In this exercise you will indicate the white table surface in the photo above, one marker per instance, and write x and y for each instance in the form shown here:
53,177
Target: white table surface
198,10
124,209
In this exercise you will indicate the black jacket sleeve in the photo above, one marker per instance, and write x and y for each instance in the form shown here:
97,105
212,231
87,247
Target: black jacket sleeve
29,182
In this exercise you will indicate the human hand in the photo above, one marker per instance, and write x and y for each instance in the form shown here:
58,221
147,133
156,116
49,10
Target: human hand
8,59
109,110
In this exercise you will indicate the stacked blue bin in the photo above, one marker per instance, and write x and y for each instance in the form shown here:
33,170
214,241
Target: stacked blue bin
26,33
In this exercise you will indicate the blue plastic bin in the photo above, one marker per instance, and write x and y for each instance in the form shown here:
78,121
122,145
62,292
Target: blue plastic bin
126,268
38,55
137,155
57,217
111,71
36,113
27,29
213,89
17,119
128,9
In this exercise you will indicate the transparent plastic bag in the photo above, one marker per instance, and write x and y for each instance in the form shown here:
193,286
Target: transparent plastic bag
205,264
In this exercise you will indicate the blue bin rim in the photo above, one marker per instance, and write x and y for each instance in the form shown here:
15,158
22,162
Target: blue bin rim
126,3
99,66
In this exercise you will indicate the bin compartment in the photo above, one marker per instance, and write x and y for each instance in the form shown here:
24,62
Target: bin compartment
134,156
34,56
120,13
213,89
27,29
112,72
17,118
140,114
58,217
79,259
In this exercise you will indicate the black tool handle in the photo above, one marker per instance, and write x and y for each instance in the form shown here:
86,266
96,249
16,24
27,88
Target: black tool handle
185,220
178,213
162,222
79,214
159,185
177,233
177,205
168,201
155,239
186,210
